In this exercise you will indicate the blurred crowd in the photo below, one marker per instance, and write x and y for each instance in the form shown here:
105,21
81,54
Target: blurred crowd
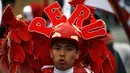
120,49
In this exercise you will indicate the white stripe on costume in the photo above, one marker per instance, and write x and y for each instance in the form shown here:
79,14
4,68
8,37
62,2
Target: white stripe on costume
88,70
47,66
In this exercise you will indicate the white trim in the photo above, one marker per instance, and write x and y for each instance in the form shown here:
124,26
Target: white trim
75,38
88,71
47,66
56,34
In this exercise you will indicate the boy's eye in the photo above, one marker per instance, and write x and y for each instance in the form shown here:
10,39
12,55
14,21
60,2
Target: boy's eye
56,48
69,49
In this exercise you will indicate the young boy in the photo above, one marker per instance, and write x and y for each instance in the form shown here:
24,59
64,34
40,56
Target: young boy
65,50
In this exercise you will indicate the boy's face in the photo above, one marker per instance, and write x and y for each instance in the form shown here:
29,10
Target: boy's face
63,53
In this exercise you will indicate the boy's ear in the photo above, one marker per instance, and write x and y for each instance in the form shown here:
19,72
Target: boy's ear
78,53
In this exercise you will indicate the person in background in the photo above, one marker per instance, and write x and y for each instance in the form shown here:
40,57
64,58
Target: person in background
31,11
34,10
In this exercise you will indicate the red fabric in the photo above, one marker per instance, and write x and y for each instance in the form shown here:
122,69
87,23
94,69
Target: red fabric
41,49
8,21
99,58
16,53
107,67
13,68
4,64
7,13
15,37
97,66
34,63
28,47
23,31
3,50
25,67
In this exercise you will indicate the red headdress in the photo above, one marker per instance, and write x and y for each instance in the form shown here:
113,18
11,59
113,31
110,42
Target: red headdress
94,51
61,32
28,51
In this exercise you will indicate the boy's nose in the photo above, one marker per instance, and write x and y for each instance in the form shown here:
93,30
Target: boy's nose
62,53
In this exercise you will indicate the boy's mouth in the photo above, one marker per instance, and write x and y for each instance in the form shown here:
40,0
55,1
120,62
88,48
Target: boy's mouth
62,61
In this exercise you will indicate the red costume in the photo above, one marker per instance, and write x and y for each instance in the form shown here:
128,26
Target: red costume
26,48
76,69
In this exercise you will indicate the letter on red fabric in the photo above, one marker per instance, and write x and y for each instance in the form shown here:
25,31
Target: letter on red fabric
93,30
38,24
81,12
55,14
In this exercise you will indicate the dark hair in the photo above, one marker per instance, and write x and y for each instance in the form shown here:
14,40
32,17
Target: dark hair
2,31
73,43
5,2
61,2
